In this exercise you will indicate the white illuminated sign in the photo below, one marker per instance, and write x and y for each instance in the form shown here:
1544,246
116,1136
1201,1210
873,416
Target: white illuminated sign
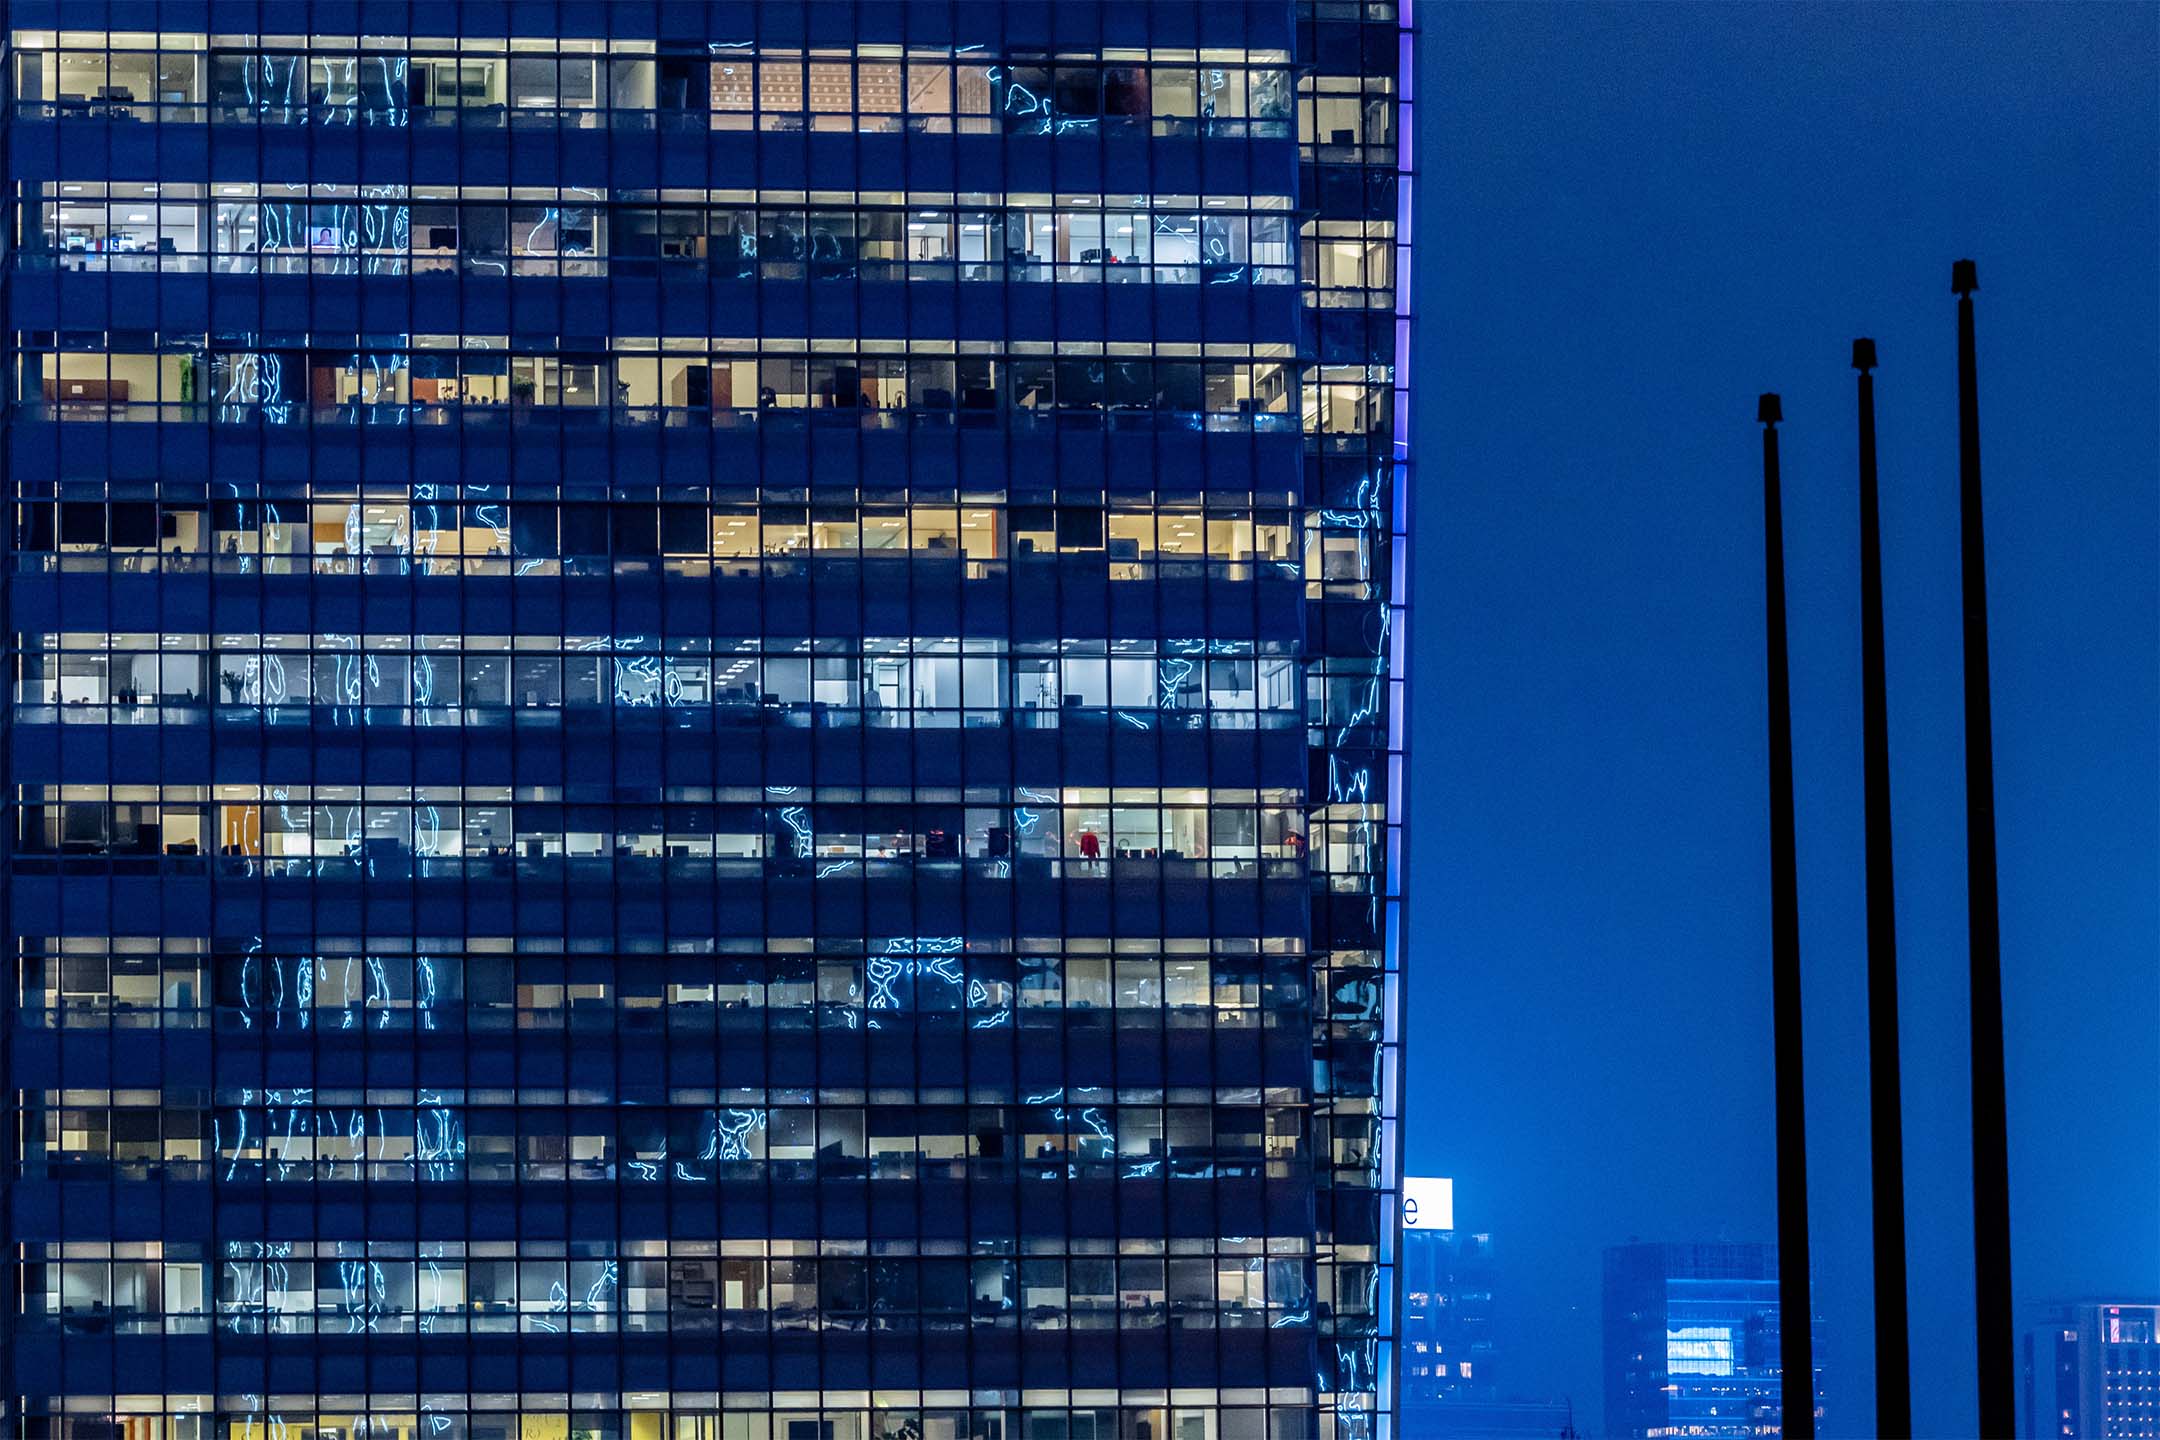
1428,1203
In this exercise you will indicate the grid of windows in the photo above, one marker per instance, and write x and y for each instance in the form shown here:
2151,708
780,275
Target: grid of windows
497,983
734,384
234,229
542,83
742,1413
686,1287
324,532
703,730
116,678
376,831
301,1137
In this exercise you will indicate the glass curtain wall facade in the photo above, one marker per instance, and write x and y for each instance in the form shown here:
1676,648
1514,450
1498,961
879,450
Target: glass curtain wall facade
705,728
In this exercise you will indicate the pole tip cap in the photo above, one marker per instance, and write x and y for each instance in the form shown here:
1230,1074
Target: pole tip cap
1768,411
1863,354
1964,277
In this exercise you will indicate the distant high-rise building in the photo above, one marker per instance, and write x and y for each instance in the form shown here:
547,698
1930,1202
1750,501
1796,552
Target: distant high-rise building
1446,1300
2092,1369
1691,1341
1450,1385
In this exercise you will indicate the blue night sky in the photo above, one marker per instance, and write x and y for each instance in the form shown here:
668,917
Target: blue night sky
1630,221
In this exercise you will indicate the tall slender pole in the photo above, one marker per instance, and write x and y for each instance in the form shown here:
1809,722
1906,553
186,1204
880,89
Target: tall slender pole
1796,1309
1886,1104
1990,1106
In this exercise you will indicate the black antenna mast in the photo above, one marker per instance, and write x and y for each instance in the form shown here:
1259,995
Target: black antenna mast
1886,1106
1997,1357
1796,1310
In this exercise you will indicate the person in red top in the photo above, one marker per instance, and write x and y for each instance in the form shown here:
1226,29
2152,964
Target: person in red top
1090,845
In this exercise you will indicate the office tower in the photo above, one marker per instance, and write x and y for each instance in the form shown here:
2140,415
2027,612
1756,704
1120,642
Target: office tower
1447,1284
707,718
2092,1372
1691,1341
1451,1385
